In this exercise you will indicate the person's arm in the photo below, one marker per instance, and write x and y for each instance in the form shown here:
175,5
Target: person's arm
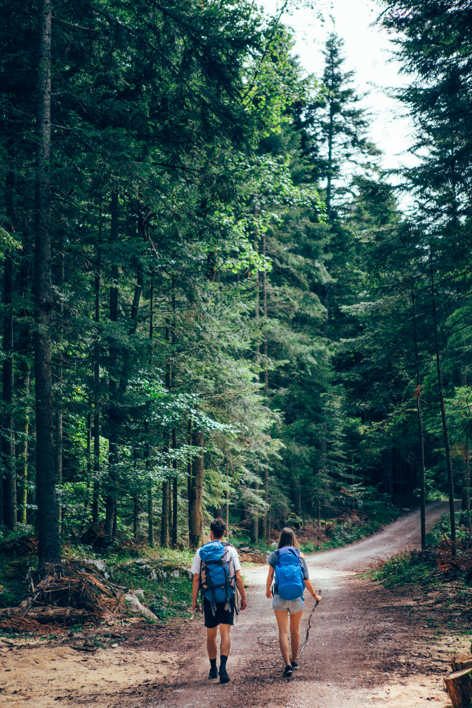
240,585
269,582
195,589
309,587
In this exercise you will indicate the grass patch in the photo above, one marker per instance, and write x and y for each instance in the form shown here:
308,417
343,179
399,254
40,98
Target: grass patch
416,567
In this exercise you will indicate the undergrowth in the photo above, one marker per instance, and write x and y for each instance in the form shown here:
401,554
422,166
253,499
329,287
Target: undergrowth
431,566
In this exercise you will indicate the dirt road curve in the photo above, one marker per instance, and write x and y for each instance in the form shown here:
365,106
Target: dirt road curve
355,651
368,647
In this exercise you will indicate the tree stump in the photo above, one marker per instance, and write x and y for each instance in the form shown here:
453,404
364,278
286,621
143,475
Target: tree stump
464,662
459,687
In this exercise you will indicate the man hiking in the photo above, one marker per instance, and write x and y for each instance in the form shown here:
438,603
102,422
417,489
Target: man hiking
216,570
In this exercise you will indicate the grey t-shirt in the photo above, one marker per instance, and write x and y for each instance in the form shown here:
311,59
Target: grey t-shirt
272,560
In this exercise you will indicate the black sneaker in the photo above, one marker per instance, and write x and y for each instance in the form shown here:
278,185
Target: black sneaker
213,673
294,665
224,678
287,672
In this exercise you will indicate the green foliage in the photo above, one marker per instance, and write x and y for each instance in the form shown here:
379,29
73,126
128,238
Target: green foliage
404,569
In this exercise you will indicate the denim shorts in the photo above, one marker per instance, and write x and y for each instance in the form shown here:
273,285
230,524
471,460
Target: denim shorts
293,606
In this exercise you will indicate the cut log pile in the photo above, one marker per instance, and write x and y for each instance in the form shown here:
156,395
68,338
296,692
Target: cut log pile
68,592
459,683
250,555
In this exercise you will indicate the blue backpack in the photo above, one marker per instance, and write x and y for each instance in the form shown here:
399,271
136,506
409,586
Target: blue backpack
289,576
217,574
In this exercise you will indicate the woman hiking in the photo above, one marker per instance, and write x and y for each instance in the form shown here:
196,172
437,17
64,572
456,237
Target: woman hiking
291,578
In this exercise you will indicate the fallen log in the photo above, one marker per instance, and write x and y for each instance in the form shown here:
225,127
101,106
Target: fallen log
66,615
459,687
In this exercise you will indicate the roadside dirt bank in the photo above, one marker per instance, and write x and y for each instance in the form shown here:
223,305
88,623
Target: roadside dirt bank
368,646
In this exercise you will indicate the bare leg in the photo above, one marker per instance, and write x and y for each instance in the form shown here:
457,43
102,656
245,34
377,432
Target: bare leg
282,621
295,633
211,642
225,636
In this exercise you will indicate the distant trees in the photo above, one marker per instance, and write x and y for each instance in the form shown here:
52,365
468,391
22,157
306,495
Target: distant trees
210,300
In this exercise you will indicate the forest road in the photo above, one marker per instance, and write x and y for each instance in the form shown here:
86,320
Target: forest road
368,646
360,650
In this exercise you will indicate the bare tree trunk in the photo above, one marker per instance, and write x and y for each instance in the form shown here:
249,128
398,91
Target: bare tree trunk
175,499
23,383
22,442
450,478
58,398
195,500
264,296
255,521
420,432
9,480
8,491
189,471
148,446
112,385
89,461
135,516
96,376
165,514
467,483
49,548
150,519
166,488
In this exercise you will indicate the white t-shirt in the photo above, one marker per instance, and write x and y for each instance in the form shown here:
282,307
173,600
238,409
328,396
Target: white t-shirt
197,563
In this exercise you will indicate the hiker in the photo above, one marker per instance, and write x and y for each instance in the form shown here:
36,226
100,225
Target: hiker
217,570
291,578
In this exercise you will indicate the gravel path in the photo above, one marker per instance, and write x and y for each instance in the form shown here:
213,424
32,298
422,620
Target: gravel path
356,652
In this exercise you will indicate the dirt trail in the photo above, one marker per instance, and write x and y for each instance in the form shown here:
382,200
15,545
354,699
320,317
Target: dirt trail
368,647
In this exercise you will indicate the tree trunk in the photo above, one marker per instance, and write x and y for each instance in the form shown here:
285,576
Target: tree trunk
189,470
58,375
23,383
165,514
22,442
195,500
96,376
64,615
135,515
420,432
175,490
112,412
465,502
148,446
264,297
89,461
49,549
255,521
450,478
9,480
150,519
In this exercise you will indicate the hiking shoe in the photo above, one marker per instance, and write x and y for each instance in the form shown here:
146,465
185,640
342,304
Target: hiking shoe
224,678
294,665
288,672
213,673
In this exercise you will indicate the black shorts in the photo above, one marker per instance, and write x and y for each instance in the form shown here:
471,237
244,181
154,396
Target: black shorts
221,615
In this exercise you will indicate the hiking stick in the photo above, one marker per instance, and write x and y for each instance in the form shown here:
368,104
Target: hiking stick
195,612
308,628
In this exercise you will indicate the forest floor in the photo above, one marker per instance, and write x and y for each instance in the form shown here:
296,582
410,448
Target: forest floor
368,646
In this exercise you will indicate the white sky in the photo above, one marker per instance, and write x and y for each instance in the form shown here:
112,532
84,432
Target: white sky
368,51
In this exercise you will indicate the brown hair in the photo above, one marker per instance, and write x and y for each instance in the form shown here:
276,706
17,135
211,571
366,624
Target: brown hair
287,538
218,527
